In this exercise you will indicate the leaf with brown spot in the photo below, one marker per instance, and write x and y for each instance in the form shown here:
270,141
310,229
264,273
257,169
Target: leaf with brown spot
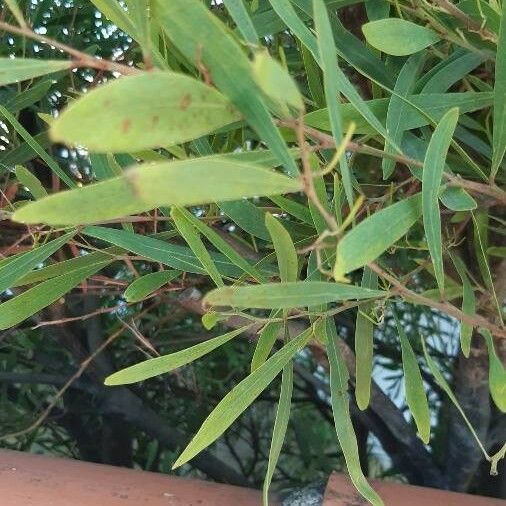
159,107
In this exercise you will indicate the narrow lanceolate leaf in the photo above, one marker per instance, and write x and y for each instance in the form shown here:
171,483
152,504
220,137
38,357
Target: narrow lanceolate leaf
240,397
13,70
222,246
287,295
496,373
23,306
364,333
191,236
16,12
328,62
286,12
140,189
397,108
468,304
237,9
212,47
24,263
161,365
173,255
280,426
147,284
398,37
143,111
285,250
341,410
441,381
499,134
413,385
373,236
26,178
433,167
266,340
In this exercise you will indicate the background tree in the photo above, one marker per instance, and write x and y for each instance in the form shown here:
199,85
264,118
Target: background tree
391,196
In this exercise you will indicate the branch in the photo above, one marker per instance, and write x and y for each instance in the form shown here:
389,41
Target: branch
444,307
327,141
80,59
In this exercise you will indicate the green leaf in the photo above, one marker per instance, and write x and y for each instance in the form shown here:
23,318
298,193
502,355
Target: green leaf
247,216
16,12
161,365
364,333
13,70
35,146
499,133
457,199
373,236
468,305
240,15
413,385
326,50
433,167
277,84
240,397
24,263
191,236
441,381
26,178
23,306
496,372
113,11
433,105
285,250
398,109
286,12
147,284
266,340
143,111
287,295
173,255
398,37
280,426
222,245
140,189
213,47
497,251
341,410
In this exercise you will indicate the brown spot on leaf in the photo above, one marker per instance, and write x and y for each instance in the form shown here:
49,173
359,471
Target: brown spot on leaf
185,101
125,126
155,120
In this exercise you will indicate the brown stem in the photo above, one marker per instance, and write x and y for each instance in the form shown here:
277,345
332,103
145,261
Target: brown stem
444,307
80,59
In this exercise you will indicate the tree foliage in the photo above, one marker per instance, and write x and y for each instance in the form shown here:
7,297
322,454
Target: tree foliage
312,175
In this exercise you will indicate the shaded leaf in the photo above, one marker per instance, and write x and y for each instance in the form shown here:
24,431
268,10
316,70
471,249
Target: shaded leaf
26,178
457,199
147,284
364,333
433,167
240,397
496,372
413,385
373,236
161,365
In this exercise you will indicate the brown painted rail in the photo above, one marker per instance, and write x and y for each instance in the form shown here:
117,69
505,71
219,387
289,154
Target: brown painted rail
35,480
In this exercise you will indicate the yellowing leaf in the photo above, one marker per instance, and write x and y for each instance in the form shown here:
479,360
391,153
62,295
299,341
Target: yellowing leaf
140,189
143,111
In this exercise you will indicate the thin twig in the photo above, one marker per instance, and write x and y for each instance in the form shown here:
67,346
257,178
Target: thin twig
80,59
449,309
